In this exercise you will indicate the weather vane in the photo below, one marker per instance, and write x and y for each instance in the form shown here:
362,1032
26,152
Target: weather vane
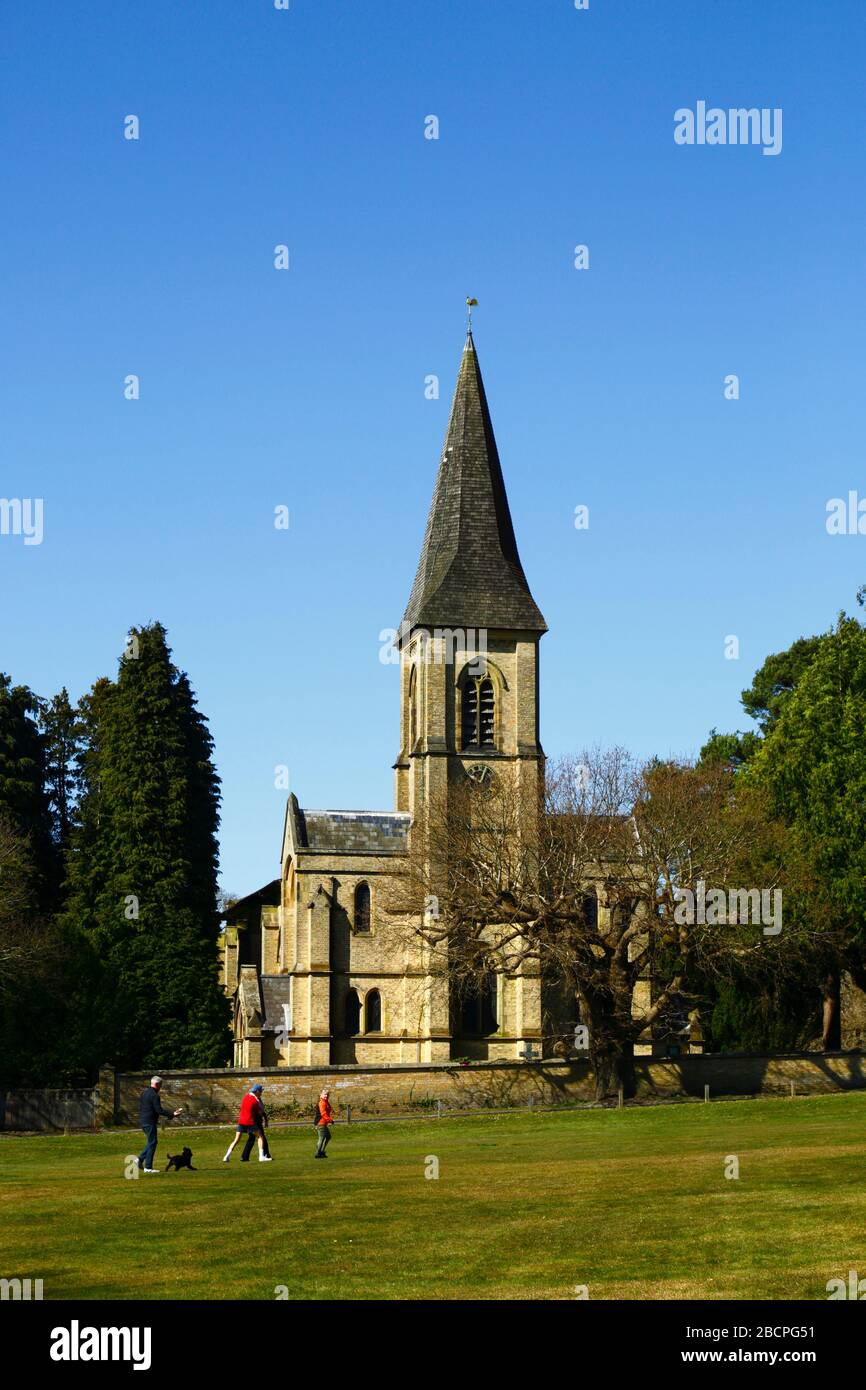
470,305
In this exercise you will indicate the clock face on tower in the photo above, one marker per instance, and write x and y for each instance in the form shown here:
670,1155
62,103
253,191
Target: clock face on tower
480,774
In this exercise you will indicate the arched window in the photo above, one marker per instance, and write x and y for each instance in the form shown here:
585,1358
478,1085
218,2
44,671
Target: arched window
373,1010
353,1013
362,907
590,910
478,724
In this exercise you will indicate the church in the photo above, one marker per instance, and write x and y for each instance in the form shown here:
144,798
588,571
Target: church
314,964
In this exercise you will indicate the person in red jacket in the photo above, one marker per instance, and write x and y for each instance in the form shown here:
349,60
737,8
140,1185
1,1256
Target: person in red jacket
323,1124
251,1122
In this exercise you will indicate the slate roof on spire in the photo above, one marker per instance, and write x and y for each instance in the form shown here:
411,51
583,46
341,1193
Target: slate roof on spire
469,574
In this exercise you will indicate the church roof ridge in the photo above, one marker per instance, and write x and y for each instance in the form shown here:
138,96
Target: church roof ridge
331,811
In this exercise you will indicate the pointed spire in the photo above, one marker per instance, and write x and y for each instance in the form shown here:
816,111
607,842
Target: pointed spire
469,574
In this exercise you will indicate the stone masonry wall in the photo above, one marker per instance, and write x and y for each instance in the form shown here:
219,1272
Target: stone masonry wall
291,1092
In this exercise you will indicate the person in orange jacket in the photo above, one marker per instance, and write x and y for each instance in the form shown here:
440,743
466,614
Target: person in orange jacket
323,1124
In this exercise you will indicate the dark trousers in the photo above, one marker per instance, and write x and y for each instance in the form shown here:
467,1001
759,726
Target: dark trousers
324,1133
251,1139
145,1158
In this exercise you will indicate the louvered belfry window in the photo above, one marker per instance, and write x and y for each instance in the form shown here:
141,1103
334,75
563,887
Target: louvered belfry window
486,714
470,714
479,713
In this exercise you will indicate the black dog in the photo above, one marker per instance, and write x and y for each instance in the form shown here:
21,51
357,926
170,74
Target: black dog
179,1161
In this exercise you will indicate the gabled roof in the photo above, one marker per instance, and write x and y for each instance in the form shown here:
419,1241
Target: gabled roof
269,896
248,998
379,832
348,832
469,574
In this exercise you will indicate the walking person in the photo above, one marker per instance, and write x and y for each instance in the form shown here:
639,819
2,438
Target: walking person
251,1122
323,1124
149,1111
265,1147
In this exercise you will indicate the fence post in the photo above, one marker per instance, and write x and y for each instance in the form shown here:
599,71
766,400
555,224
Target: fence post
348,1114
620,1099
792,1090
531,1101
438,1110
706,1093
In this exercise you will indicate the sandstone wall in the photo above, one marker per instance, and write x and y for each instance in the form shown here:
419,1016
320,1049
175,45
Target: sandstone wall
291,1092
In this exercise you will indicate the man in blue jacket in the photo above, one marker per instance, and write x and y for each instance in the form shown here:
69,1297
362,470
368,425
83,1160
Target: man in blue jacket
149,1111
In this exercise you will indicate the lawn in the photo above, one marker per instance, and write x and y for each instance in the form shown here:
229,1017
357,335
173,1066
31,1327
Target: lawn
633,1204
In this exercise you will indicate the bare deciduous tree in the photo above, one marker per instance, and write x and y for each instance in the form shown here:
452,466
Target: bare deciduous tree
590,888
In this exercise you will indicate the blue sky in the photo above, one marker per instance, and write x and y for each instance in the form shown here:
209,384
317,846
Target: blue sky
306,387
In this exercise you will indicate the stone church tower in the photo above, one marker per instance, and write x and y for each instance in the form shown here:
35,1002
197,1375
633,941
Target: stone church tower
470,633
315,963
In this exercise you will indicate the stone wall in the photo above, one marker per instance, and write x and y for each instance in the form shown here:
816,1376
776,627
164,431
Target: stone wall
290,1093
749,1074
48,1110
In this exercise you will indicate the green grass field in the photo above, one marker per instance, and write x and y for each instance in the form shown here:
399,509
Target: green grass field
634,1204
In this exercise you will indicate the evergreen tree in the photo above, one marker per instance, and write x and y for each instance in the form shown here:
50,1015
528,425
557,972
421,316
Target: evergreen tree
774,700
813,762
18,942
764,701
754,1013
39,1031
61,731
776,679
731,749
23,797
143,867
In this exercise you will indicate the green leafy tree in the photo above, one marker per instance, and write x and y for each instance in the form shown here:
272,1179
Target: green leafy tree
781,1019
772,685
813,762
777,679
731,749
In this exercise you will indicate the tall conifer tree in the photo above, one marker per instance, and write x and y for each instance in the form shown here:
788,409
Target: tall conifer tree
61,732
143,869
23,798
